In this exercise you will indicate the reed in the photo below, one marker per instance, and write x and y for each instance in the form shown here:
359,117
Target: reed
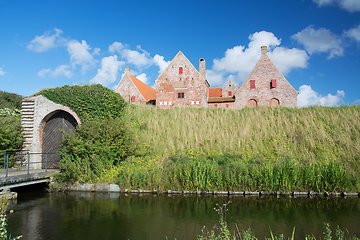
307,134
267,149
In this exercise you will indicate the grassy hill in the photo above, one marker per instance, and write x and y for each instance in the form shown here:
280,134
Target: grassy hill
263,133
270,149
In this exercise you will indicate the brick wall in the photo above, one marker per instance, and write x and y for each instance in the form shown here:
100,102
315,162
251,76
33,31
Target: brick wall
270,87
181,84
128,89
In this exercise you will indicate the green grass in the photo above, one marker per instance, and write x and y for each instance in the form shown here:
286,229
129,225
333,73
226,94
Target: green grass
261,149
306,134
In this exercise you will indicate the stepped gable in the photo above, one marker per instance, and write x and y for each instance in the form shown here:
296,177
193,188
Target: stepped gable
181,84
265,86
133,90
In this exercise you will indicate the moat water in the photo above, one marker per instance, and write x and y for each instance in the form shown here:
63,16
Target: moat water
78,215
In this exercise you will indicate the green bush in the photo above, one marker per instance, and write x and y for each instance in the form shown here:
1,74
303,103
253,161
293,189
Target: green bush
10,100
88,101
98,146
11,138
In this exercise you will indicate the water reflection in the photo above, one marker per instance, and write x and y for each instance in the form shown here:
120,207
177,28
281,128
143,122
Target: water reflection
78,215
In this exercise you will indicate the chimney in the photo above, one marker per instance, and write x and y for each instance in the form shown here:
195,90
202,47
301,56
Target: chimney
202,69
263,50
127,70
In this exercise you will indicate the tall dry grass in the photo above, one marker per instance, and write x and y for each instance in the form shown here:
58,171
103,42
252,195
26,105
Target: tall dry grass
305,134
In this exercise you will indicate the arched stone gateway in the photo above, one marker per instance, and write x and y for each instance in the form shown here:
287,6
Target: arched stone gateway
41,121
52,136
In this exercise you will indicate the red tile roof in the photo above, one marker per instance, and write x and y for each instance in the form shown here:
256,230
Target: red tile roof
215,92
148,92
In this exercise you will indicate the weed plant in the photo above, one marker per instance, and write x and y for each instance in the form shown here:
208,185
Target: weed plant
221,231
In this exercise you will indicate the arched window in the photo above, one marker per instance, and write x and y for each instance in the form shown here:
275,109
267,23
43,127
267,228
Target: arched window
180,70
274,102
251,103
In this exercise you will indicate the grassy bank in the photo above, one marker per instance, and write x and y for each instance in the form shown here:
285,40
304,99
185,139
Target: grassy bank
305,134
261,149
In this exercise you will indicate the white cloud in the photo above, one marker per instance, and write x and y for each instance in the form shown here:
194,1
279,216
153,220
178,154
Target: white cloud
354,33
214,78
161,63
142,77
239,60
321,40
308,97
136,58
61,70
109,70
286,59
2,72
80,55
140,57
116,47
348,5
96,51
46,41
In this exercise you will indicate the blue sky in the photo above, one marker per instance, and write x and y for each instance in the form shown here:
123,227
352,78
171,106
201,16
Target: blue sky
315,43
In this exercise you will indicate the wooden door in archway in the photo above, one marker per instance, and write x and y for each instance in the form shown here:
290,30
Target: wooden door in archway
52,137
274,102
251,103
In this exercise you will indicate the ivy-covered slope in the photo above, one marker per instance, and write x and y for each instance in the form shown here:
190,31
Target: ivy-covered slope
88,101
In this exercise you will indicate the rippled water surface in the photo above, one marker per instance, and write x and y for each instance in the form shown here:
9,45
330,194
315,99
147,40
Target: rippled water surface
77,215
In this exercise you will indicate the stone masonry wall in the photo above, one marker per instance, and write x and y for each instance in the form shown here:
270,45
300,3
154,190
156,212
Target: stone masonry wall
128,89
263,93
187,81
35,112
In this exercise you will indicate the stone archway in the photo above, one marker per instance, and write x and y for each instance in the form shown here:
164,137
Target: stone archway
251,103
38,114
274,102
52,136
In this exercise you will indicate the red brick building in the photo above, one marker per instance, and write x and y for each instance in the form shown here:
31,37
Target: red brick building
265,86
182,85
135,91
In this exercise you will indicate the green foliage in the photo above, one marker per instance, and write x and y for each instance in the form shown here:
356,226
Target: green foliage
265,133
198,171
221,231
4,202
10,100
98,146
88,101
11,138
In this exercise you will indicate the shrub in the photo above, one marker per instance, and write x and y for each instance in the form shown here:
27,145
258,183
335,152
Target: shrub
11,138
88,101
10,100
98,146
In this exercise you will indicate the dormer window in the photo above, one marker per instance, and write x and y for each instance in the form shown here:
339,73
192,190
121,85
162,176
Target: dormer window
273,84
180,70
230,93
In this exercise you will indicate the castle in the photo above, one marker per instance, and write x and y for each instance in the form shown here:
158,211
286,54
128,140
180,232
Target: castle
181,84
